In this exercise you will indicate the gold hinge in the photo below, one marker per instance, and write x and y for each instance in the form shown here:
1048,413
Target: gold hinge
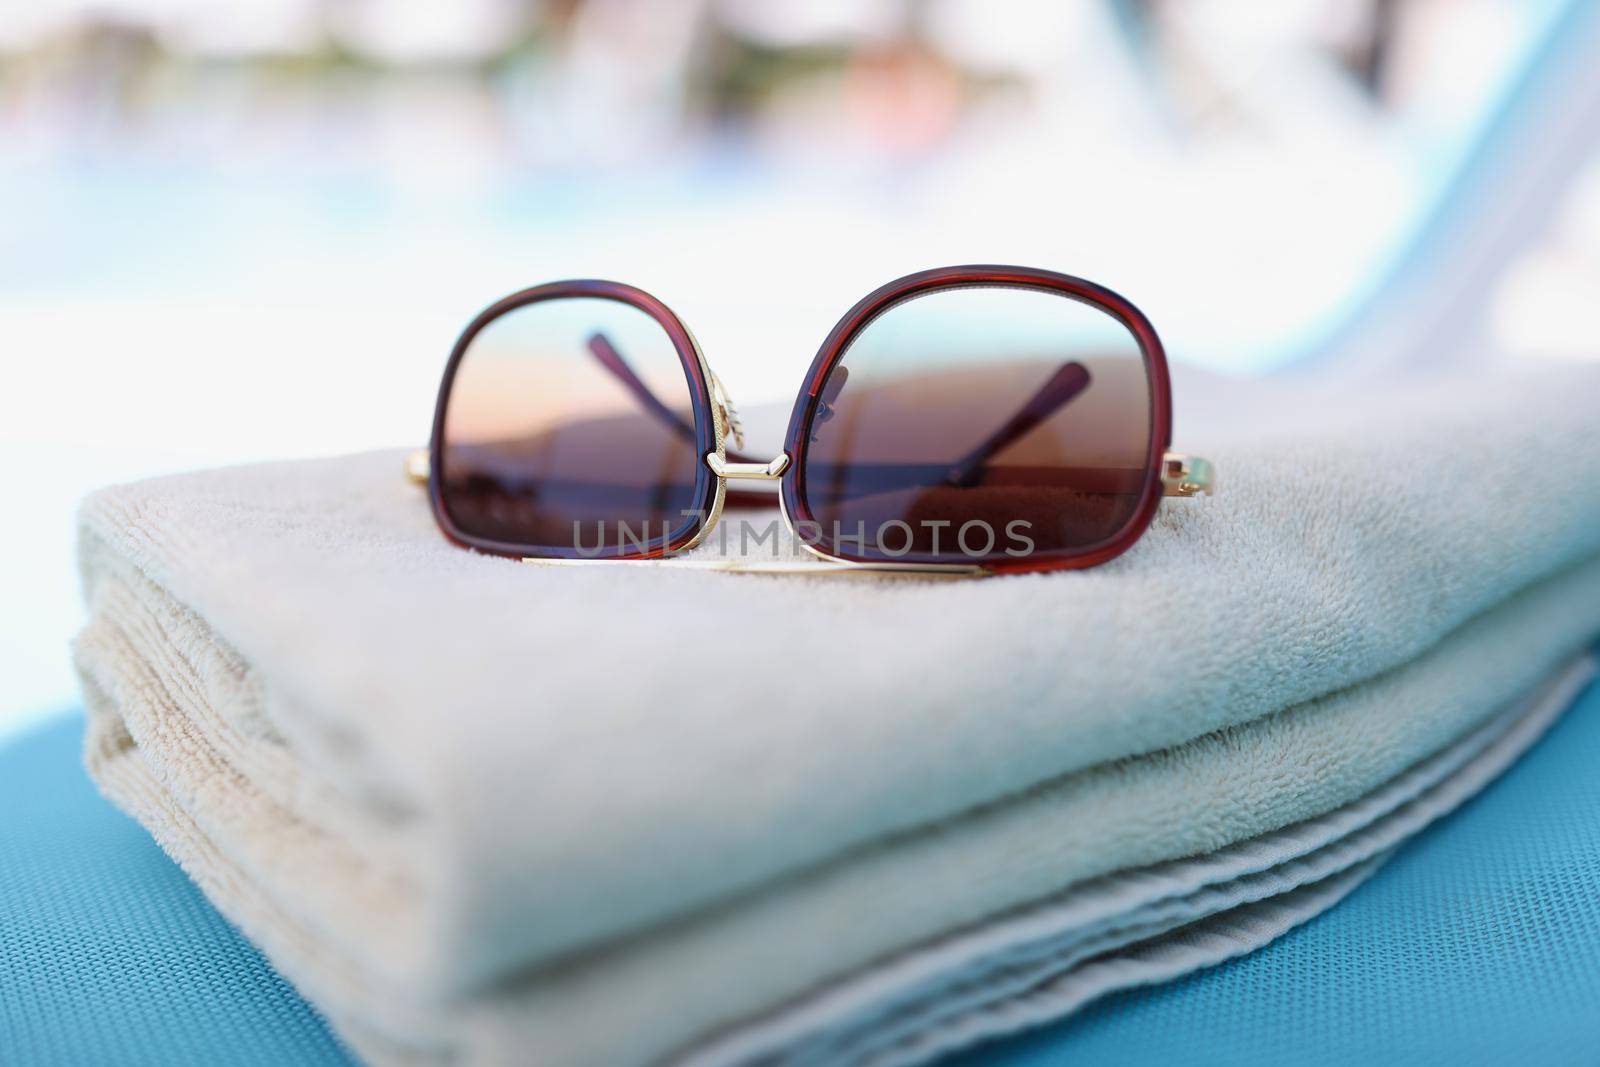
1185,475
417,466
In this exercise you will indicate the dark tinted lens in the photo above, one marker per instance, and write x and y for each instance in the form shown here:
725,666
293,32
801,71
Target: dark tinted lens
570,426
980,424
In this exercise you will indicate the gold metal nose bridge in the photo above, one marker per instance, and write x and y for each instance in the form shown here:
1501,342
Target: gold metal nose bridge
764,472
730,413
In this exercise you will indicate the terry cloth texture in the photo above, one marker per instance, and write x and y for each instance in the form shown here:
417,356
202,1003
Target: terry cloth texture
485,812
1479,943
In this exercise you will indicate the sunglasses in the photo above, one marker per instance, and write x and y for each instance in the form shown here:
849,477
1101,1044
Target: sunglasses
967,420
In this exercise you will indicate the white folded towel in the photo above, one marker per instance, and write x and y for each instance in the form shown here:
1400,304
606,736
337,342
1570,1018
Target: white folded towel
486,812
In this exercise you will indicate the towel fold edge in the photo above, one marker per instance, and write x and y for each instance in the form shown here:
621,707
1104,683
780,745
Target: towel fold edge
1143,926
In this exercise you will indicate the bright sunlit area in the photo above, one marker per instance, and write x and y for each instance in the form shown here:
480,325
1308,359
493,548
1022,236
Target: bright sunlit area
252,230
799,533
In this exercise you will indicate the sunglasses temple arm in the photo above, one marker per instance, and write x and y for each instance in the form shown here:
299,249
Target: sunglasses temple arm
1068,381
606,353
1181,474
1186,475
612,360
417,466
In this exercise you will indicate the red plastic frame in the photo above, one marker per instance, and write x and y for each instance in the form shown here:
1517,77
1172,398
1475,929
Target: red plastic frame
930,281
705,483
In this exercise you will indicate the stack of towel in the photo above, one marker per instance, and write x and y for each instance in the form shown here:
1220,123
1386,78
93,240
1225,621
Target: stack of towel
484,812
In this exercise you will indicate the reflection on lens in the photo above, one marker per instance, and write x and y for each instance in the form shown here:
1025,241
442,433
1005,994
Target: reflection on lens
570,426
979,424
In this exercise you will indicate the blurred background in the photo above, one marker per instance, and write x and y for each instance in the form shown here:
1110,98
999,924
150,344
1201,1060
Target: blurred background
251,229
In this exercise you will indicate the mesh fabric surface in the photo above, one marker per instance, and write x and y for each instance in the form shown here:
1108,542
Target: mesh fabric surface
109,955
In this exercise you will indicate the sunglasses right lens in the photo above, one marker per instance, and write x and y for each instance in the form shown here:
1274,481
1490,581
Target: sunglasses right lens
569,431
979,424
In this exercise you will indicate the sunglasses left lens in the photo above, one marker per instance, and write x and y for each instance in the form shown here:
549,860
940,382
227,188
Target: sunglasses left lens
569,431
